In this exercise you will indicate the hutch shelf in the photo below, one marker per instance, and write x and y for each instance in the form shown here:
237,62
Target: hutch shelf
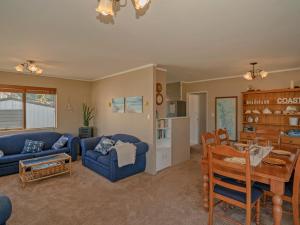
272,109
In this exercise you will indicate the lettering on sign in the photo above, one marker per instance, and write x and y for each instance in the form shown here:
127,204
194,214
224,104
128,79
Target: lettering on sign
295,100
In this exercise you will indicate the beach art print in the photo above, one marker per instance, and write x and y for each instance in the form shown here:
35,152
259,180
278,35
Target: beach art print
118,105
134,104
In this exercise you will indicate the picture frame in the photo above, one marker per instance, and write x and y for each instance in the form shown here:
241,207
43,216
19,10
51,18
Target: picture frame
134,104
226,114
118,105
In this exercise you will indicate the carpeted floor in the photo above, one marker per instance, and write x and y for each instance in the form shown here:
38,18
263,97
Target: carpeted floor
173,197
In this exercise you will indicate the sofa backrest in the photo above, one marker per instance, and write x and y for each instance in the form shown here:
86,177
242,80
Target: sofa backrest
13,144
125,138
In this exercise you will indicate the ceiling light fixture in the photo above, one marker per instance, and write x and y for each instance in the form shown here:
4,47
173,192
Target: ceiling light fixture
107,7
253,74
29,66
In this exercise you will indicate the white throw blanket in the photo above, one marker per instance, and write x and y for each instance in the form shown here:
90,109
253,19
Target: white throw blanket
126,153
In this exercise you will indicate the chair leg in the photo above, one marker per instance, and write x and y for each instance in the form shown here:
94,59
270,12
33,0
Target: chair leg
264,199
295,204
257,212
248,215
211,210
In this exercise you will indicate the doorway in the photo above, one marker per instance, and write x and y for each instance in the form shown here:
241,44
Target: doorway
197,112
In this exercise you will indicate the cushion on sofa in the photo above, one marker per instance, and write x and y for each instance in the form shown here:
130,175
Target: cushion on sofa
97,156
1,153
33,146
104,145
125,138
93,154
15,158
51,152
14,144
60,143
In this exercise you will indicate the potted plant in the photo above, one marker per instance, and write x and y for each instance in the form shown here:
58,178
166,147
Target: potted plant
88,114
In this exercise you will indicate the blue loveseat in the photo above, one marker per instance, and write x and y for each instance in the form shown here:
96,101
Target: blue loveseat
12,146
107,165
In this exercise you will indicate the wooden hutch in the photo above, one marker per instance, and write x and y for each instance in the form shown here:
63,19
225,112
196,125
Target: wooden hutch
278,110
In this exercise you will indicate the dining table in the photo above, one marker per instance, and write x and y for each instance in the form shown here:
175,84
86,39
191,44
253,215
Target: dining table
273,175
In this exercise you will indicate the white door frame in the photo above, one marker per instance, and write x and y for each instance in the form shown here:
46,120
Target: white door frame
187,105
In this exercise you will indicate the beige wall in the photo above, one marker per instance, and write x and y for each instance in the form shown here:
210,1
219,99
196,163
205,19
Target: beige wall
234,87
68,91
136,83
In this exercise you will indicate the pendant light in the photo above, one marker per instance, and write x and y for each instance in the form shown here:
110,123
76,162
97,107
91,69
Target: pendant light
105,7
254,73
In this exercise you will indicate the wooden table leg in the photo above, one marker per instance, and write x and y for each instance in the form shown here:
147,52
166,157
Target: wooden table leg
205,191
277,188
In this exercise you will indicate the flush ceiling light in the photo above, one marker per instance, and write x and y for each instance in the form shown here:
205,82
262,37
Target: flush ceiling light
253,74
107,7
29,66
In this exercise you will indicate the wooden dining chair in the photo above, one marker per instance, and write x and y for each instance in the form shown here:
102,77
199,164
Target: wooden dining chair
207,139
222,137
237,188
267,134
291,193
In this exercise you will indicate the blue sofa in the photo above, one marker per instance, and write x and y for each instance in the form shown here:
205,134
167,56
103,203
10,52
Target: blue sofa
5,209
107,165
12,146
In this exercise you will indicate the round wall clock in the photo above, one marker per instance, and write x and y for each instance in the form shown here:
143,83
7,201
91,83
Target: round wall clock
159,99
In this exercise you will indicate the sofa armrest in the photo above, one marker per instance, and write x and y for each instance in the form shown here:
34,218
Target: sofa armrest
5,208
88,144
73,145
141,148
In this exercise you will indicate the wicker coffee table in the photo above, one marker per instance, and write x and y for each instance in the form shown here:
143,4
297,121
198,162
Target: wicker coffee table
44,167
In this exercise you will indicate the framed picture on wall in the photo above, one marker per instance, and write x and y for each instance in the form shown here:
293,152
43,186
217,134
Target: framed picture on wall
118,105
226,115
134,104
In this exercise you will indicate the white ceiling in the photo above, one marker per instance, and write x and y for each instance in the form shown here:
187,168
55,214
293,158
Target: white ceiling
193,39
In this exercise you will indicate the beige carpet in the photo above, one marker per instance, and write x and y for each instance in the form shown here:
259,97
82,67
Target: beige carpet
170,198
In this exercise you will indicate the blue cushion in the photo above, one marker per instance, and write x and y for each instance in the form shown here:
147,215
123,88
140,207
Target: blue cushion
104,159
13,144
33,146
51,152
236,195
97,156
92,154
125,138
60,143
288,187
104,145
15,158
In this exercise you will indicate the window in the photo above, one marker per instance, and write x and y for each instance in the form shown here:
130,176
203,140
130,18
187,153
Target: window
27,107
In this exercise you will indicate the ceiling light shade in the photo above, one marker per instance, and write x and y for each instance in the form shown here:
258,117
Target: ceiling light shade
29,66
248,76
105,7
263,74
19,68
139,4
39,71
32,67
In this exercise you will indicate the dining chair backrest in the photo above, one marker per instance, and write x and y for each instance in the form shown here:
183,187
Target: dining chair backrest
267,134
239,172
296,181
222,137
207,139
